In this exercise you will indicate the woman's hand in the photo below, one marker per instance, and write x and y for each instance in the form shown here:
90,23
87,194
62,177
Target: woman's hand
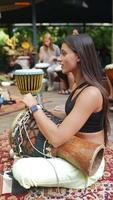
29,100
53,58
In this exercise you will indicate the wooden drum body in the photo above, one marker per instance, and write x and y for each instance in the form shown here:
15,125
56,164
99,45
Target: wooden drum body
83,154
29,80
109,72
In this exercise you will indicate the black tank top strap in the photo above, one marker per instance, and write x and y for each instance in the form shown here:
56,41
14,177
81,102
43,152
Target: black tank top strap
82,87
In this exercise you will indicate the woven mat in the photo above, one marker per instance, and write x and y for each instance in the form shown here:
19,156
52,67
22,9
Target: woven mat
101,190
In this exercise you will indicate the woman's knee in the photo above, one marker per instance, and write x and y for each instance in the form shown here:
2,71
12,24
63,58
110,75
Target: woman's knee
20,167
50,70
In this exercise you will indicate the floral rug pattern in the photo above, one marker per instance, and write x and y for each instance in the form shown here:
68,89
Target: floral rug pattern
101,190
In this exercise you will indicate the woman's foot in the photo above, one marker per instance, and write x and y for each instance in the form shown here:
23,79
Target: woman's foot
111,109
110,100
65,92
50,88
61,92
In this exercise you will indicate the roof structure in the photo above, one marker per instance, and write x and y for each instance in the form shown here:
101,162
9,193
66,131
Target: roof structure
57,11
9,5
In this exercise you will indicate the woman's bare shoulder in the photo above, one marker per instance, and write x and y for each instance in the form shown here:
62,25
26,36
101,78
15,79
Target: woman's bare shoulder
93,91
91,96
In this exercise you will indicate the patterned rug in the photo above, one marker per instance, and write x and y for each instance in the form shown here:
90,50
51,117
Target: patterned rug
101,190
9,108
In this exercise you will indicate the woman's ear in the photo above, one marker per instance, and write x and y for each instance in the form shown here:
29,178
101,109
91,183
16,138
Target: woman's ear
78,58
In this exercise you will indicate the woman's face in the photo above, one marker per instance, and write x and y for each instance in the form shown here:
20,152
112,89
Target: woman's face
47,41
69,59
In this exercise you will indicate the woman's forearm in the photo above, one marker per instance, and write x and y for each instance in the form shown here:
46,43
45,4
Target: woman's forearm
48,128
61,114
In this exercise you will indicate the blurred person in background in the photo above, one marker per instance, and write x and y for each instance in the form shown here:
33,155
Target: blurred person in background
48,53
12,66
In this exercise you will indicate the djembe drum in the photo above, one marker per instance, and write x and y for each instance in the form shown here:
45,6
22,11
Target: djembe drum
81,153
109,72
27,140
25,137
29,80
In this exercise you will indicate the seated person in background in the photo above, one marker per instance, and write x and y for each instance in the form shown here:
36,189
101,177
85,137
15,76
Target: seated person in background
75,32
86,117
13,65
66,83
63,85
67,80
49,53
63,81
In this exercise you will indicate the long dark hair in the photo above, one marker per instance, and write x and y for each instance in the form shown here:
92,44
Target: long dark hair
90,68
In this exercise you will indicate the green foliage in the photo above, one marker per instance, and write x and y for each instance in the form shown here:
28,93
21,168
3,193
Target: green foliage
23,34
3,58
58,33
3,37
101,36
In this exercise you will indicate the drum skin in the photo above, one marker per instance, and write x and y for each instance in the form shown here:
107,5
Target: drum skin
29,80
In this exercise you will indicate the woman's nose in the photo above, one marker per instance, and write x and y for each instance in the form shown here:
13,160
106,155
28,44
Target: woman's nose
59,59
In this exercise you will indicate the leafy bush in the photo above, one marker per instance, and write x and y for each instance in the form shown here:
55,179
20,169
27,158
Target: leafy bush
102,37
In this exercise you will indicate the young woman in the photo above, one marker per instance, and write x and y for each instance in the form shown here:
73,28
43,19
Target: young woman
49,53
86,117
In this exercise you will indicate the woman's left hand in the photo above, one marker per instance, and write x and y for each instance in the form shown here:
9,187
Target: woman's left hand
29,100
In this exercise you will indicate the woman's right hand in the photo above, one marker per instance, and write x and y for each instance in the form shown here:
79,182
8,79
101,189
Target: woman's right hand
29,100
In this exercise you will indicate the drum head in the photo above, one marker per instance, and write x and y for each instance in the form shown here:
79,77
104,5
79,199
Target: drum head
109,66
28,72
42,65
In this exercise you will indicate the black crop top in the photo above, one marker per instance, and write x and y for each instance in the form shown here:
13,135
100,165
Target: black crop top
94,122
